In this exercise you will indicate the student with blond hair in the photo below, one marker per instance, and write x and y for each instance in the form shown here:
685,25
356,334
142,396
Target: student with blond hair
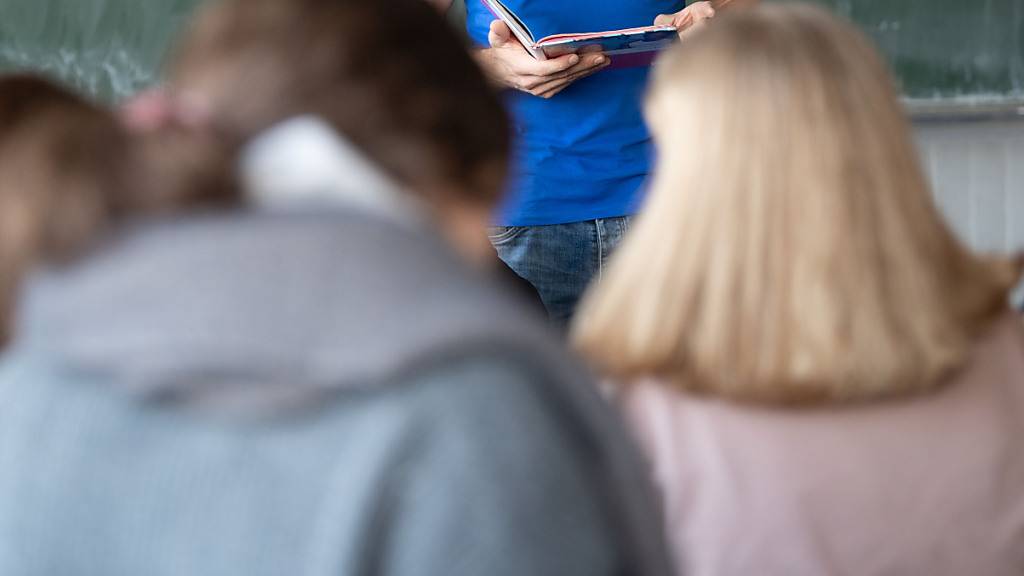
825,379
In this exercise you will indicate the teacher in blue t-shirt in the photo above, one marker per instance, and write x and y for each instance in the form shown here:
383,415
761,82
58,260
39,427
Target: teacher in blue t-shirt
582,152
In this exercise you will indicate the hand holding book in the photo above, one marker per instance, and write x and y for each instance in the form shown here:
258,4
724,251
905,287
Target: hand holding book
509,65
546,67
691,19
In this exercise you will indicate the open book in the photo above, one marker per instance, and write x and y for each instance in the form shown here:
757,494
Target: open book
641,44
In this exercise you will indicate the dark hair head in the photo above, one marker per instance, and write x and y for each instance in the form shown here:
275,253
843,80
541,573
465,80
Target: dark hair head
64,172
65,165
389,75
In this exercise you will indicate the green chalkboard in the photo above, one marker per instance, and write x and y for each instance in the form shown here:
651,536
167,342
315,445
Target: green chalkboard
943,50
106,48
969,50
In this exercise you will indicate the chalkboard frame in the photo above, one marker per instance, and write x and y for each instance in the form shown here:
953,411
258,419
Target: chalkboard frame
951,110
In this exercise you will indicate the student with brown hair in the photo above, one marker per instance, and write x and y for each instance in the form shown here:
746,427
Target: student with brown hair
323,388
64,178
243,70
71,172
251,65
826,380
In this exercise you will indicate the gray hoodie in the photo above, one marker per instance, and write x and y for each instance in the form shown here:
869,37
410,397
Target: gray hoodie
304,393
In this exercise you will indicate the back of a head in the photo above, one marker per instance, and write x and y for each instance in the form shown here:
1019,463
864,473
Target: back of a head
389,75
790,249
64,170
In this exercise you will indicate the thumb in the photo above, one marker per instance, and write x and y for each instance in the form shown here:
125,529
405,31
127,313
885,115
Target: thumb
698,13
499,35
665,20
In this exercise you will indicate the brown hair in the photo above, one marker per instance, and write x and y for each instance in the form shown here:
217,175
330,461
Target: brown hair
65,167
387,74
790,249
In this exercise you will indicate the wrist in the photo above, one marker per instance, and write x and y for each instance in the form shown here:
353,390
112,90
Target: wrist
488,62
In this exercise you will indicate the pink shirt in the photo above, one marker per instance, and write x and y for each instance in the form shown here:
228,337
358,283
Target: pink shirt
931,485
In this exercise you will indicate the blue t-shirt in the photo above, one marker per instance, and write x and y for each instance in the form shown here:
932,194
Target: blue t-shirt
584,153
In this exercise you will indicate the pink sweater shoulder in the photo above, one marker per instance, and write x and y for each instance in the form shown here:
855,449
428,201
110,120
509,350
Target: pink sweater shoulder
927,485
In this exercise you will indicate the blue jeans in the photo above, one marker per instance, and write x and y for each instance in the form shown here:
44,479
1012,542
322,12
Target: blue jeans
560,260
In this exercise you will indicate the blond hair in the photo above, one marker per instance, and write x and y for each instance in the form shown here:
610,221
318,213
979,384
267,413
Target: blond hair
789,249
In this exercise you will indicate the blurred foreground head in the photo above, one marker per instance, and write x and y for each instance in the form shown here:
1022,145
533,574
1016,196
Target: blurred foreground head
790,249
388,75
65,173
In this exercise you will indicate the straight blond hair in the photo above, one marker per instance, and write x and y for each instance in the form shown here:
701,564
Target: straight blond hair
789,249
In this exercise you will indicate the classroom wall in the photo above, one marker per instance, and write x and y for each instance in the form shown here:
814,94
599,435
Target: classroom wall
977,174
111,48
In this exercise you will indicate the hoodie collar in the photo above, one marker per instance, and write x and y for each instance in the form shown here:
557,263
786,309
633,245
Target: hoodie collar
304,162
253,301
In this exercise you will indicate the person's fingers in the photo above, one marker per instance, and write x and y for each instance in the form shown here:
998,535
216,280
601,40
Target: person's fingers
695,14
702,10
499,35
700,24
549,89
665,20
554,91
589,63
692,27
551,93
552,66
540,85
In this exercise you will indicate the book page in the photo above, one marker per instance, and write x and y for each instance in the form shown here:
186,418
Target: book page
517,26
